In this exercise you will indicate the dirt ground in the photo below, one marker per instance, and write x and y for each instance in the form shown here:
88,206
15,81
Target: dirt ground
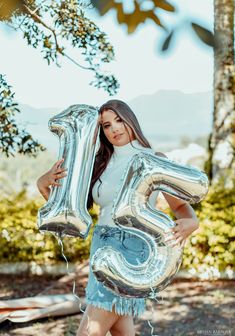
186,307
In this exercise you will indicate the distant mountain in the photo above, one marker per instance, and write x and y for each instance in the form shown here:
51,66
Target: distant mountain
165,117
169,115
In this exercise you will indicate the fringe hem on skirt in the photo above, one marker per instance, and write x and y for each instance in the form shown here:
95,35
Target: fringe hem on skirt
122,306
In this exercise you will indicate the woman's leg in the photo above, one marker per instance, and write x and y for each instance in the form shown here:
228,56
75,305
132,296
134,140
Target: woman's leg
96,322
124,326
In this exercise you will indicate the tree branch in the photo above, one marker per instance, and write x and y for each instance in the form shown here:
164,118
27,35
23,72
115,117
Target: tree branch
34,12
58,48
39,20
73,61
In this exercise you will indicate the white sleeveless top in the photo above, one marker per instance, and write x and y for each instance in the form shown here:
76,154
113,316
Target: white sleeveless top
104,193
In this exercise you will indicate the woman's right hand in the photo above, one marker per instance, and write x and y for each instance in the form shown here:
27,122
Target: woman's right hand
51,177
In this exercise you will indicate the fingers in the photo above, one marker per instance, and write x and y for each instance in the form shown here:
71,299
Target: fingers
56,184
175,236
57,164
173,243
182,243
178,242
175,239
59,176
168,239
56,167
61,170
176,228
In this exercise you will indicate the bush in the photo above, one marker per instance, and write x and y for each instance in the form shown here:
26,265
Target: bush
20,239
210,249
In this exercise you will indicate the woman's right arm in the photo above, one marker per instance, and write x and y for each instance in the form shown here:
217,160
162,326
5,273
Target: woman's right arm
50,179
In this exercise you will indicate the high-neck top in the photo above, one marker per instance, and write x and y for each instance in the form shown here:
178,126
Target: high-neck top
127,149
105,192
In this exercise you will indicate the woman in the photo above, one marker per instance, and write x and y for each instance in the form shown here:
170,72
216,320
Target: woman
120,138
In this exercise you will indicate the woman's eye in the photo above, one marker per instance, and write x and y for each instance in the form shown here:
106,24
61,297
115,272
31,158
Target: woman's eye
118,120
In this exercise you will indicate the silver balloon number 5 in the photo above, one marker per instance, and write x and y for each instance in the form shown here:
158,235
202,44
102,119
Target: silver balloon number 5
65,213
145,173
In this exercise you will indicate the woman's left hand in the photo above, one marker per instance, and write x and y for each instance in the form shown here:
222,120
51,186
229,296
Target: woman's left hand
183,229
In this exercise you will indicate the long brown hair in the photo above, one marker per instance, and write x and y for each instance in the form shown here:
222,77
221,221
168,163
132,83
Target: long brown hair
106,148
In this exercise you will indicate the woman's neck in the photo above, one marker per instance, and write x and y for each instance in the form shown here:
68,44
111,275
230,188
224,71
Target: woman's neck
126,149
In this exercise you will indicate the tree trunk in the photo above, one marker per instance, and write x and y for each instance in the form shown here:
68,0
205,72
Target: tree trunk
222,139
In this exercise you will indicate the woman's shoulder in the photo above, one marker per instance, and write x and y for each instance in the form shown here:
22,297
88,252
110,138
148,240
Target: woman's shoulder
152,151
160,154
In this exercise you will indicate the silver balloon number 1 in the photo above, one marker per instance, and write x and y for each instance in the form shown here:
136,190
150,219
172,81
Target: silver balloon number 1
65,213
145,173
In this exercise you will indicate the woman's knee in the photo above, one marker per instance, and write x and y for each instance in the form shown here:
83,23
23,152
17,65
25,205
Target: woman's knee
123,327
91,330
96,322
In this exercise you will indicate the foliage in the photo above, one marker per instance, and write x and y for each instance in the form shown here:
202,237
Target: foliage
12,139
143,10
208,251
139,14
50,26
21,240
204,34
47,25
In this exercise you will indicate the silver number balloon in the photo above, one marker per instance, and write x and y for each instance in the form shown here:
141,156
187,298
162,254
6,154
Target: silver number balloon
132,212
65,212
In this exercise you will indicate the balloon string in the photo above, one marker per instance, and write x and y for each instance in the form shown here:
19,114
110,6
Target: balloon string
60,243
153,295
149,323
59,240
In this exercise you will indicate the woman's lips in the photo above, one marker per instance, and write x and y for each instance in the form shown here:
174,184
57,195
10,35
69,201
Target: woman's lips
117,136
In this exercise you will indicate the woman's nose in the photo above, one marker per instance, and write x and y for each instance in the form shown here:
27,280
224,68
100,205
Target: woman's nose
115,128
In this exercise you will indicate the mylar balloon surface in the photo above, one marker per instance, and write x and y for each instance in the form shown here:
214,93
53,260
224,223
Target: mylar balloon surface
65,212
131,211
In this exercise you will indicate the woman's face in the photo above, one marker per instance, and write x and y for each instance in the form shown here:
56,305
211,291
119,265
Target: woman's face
114,129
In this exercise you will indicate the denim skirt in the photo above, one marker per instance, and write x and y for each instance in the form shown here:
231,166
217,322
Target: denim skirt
135,251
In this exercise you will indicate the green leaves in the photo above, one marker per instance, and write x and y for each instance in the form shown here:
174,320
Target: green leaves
210,250
104,6
212,247
204,34
138,16
21,240
164,5
167,41
48,26
13,139
109,82
7,8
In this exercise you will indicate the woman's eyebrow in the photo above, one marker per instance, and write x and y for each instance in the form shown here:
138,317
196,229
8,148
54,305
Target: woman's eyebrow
108,121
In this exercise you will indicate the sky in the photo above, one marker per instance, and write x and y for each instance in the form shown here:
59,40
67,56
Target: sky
139,66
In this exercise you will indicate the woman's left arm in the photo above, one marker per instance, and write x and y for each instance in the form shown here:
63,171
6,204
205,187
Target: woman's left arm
186,222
